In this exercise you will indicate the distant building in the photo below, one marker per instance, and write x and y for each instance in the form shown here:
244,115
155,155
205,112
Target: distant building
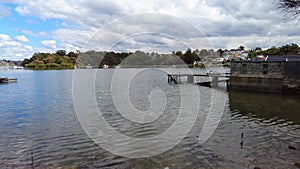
275,74
235,55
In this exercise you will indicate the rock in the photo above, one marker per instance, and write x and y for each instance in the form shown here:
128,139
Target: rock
292,147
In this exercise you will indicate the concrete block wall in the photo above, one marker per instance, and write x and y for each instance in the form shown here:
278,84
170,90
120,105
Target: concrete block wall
258,76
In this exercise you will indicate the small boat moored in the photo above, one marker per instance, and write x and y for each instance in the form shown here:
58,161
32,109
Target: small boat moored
7,80
105,66
15,67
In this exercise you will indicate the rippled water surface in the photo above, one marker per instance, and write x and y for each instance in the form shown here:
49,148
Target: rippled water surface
39,126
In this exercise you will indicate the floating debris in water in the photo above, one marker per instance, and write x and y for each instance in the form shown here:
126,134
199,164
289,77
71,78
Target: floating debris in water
292,147
215,156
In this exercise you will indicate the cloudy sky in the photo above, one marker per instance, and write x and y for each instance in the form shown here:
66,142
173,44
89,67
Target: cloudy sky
162,26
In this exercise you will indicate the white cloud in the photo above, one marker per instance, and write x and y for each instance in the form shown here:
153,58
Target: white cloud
21,38
19,55
13,49
4,37
251,42
227,24
28,47
64,24
49,44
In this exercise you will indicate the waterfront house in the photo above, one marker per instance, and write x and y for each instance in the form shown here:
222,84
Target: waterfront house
277,73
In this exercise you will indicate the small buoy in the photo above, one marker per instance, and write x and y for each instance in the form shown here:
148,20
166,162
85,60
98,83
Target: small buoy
297,164
257,168
292,148
215,156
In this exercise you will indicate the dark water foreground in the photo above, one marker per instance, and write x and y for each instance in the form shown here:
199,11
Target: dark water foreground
37,120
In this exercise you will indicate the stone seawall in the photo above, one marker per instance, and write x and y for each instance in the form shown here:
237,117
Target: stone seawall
265,76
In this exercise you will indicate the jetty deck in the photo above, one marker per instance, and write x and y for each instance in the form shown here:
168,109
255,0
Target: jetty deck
216,78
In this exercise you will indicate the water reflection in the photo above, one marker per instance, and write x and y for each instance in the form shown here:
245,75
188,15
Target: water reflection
37,115
265,106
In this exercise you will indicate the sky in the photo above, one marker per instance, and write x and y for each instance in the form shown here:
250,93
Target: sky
160,26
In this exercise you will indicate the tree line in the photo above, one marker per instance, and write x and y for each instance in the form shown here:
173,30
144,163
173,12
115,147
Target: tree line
289,49
97,59
59,59
62,59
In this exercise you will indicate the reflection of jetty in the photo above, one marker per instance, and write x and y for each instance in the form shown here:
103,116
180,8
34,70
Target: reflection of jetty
7,80
178,78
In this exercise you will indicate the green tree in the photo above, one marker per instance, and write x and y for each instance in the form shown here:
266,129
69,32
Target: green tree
25,61
58,60
61,52
241,48
220,51
204,52
178,53
188,57
72,54
258,49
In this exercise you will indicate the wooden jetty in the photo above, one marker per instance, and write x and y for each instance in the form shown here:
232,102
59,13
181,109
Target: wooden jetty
177,78
7,80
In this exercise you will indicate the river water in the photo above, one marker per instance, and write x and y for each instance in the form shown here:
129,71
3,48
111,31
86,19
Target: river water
39,127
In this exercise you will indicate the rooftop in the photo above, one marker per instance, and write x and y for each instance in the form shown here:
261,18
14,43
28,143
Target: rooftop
283,58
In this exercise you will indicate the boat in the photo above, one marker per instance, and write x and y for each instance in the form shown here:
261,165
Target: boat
7,80
105,66
15,67
89,66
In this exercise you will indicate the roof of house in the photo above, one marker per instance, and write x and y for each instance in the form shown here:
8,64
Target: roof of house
283,58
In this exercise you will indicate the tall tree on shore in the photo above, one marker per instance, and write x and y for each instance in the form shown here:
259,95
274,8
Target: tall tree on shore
61,52
241,48
290,8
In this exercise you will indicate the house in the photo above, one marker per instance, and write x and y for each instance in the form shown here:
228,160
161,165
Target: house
277,73
235,55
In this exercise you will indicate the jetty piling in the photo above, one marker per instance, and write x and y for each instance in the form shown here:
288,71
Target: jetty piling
190,79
